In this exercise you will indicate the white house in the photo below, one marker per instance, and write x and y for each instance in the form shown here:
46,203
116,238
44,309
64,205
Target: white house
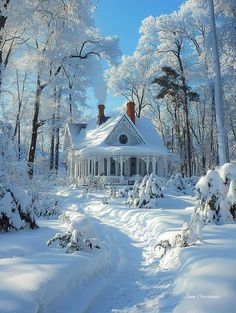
119,149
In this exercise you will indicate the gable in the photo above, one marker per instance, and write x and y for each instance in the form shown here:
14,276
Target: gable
124,133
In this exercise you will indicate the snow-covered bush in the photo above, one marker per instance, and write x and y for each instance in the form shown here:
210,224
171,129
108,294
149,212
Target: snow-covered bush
46,206
105,200
176,182
191,181
133,193
16,209
16,205
182,184
123,192
190,233
111,192
120,193
73,241
210,191
146,194
79,235
216,195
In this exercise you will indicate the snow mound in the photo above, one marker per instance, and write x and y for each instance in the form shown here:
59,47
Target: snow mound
79,235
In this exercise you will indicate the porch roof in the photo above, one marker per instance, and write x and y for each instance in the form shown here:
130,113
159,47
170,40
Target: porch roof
135,151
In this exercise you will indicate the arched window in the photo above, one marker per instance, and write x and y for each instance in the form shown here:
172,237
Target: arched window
123,139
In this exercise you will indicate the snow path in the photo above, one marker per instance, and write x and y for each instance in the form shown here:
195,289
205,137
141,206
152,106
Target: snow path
124,276
132,282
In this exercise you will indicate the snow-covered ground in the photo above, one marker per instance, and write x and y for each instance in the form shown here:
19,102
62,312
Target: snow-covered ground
125,275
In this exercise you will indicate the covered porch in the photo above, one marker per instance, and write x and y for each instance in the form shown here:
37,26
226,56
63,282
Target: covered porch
116,169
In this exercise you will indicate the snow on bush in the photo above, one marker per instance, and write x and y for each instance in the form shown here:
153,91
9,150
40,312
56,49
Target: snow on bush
78,236
190,233
179,183
47,207
216,195
123,192
216,203
146,194
120,193
16,209
16,206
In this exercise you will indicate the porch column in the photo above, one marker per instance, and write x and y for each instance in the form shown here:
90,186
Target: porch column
79,169
137,166
71,165
121,165
83,168
99,166
166,167
76,169
86,167
128,165
147,165
154,165
94,166
109,166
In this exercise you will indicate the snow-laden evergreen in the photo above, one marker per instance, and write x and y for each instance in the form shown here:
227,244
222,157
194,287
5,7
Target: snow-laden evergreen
215,193
179,183
146,194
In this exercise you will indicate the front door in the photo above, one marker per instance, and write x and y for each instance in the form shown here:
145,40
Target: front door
133,166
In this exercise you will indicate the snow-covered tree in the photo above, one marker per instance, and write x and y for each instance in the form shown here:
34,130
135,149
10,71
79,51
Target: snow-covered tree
131,79
146,194
222,138
215,193
16,205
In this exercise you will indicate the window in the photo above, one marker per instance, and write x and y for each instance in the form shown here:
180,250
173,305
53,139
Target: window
123,139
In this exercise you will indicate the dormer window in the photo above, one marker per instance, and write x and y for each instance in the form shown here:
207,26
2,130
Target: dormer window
123,139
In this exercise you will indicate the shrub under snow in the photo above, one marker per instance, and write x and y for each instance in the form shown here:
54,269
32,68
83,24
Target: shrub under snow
78,236
216,195
146,194
120,193
16,209
179,183
190,233
47,207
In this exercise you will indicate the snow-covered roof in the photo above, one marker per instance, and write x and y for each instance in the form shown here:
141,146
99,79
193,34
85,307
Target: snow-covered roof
91,140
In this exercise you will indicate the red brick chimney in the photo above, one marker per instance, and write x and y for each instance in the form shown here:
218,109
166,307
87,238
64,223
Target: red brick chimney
101,115
130,111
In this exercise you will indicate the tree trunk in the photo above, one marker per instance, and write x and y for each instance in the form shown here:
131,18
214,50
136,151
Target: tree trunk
57,133
222,137
70,100
3,19
186,118
52,147
35,126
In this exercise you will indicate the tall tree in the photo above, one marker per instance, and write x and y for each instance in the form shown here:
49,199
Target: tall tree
222,137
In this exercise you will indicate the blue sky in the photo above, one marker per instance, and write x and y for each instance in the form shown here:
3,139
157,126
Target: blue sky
123,18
